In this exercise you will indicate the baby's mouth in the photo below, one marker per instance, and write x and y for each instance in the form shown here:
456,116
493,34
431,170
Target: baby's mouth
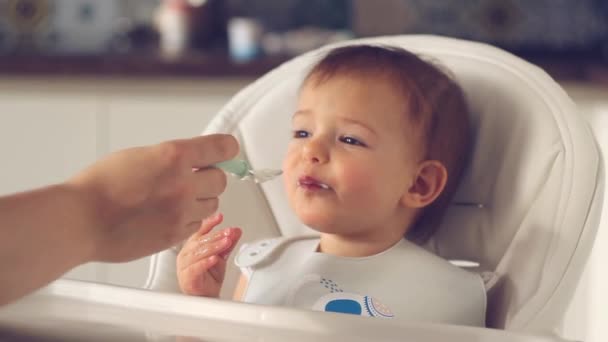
311,183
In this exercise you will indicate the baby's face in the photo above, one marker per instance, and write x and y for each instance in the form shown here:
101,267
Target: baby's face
352,157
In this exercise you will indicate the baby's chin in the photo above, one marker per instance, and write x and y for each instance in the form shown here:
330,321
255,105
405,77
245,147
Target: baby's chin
319,222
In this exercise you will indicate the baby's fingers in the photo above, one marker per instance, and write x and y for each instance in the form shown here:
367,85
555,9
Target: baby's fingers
218,269
217,243
192,278
235,235
206,250
208,224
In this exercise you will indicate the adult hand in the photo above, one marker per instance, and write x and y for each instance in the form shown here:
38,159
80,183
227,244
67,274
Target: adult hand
146,199
133,203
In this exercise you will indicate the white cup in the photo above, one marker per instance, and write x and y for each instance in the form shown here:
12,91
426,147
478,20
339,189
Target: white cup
244,36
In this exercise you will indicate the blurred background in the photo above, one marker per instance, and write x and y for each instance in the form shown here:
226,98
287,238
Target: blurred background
140,36
82,78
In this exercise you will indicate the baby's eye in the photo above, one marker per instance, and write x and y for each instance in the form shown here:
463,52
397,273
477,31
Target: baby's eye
352,141
298,134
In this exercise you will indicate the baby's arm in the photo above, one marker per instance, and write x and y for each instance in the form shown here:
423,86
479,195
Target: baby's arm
201,263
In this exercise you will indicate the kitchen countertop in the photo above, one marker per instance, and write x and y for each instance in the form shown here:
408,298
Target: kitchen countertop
152,65
586,69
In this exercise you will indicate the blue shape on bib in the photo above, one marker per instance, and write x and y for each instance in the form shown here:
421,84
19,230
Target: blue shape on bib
347,306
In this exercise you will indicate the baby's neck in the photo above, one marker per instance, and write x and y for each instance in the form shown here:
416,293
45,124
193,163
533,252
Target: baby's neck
348,246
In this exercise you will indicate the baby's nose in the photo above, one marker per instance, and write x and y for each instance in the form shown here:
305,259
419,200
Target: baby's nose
315,152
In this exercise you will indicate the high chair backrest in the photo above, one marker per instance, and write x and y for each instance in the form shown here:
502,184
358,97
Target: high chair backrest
529,204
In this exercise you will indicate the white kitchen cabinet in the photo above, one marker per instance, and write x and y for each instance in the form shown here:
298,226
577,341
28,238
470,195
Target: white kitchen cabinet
46,133
144,113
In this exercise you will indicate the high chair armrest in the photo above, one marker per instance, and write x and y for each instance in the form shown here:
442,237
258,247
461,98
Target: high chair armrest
162,276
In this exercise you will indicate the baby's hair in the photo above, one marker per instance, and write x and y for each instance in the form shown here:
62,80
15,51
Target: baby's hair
435,103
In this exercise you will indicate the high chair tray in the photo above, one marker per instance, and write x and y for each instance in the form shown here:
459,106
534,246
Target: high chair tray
68,310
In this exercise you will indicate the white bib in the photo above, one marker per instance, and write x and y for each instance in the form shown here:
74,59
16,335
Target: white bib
404,282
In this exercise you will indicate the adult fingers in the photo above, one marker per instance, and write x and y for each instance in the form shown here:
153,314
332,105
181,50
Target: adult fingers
200,209
207,150
209,183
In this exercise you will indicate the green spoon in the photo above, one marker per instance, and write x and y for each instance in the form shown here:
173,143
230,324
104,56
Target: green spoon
241,169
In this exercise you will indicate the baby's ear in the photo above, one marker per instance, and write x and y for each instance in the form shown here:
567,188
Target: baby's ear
428,184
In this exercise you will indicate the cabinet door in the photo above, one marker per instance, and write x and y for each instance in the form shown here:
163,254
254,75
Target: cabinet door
141,113
48,132
45,136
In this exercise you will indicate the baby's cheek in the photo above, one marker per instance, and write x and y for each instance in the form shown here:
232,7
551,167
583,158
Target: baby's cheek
293,155
359,181
287,179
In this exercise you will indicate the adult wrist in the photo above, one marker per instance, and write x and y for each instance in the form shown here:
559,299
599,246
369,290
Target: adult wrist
86,208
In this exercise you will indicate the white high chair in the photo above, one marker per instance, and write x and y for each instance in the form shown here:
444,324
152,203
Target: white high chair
534,187
532,197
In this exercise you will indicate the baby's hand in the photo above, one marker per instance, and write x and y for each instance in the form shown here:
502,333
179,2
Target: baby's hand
201,264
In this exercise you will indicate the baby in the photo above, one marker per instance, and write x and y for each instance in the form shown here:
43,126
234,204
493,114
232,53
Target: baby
380,141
